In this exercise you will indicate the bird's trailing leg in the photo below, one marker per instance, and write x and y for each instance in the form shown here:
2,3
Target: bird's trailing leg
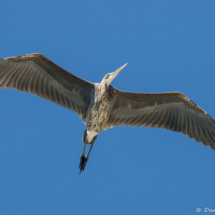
83,158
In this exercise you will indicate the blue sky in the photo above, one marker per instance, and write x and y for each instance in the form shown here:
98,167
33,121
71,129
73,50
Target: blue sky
169,46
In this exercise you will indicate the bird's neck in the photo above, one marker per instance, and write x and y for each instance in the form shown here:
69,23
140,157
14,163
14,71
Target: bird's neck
101,92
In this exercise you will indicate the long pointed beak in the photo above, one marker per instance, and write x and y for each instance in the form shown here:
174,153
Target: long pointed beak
119,70
114,74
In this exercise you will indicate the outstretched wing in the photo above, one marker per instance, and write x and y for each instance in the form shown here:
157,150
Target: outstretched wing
172,111
36,74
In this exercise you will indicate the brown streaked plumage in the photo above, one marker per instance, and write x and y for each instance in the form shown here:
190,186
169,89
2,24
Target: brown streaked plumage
101,106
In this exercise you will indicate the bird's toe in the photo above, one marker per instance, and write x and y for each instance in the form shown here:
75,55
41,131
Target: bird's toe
83,161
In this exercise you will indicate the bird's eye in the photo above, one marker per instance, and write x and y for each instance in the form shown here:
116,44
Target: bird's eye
107,76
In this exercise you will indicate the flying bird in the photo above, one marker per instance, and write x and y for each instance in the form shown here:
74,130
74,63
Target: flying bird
102,106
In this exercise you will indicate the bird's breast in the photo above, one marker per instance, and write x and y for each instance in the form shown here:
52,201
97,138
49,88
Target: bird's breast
97,116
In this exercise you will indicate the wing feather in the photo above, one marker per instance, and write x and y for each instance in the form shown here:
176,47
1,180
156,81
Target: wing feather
172,111
162,119
36,74
149,120
179,122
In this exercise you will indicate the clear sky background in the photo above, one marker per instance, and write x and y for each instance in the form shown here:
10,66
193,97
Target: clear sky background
169,46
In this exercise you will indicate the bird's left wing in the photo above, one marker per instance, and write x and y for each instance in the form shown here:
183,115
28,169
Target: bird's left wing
172,111
36,74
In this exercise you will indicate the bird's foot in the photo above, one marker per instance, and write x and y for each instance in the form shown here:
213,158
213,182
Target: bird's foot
83,162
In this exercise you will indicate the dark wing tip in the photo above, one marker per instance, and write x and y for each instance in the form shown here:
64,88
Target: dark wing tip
212,147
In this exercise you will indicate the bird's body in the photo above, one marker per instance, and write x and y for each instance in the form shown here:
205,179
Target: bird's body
97,114
101,106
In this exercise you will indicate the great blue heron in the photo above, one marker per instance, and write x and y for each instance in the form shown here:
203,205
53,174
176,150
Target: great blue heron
101,106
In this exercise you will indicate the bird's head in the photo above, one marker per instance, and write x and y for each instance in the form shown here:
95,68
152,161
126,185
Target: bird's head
110,76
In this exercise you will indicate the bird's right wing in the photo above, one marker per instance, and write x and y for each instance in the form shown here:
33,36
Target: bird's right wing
172,111
36,74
